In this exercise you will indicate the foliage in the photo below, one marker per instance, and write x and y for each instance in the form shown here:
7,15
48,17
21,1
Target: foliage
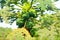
28,10
49,31
48,20
4,14
4,32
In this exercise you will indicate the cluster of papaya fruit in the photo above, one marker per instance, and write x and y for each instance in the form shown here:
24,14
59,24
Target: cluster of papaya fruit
26,18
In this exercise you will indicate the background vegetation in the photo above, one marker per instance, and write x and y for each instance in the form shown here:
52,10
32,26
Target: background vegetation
26,14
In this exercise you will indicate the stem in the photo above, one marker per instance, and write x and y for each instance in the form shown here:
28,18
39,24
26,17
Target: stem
30,5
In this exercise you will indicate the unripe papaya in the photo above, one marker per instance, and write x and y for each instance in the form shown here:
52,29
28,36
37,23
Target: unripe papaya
25,16
20,22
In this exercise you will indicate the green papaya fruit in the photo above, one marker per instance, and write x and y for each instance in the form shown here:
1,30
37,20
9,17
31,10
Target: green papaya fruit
31,14
25,16
20,22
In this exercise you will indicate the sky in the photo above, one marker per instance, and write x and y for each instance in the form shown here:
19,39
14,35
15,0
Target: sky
57,4
6,25
14,26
